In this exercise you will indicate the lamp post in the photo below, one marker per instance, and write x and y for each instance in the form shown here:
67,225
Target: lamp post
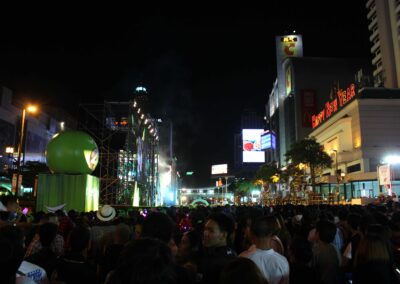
29,109
336,171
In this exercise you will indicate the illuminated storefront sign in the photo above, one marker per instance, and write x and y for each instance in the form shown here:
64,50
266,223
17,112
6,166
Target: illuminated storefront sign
343,97
268,141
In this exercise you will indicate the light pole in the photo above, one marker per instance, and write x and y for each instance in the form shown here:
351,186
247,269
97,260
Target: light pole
336,171
29,109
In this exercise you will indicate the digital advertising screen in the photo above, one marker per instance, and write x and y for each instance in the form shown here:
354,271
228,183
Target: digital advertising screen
252,152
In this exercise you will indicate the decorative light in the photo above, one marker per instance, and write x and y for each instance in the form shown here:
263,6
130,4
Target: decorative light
142,116
145,121
134,104
392,159
32,108
9,150
138,111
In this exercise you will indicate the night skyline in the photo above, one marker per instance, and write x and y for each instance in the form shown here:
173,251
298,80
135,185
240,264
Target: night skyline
200,71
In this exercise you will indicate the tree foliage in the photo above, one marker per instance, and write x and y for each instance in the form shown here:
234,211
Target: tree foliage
309,152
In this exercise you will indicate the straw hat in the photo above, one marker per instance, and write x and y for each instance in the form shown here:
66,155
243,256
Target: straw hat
106,213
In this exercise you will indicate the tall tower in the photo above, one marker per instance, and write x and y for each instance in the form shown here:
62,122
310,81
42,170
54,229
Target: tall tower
286,46
385,38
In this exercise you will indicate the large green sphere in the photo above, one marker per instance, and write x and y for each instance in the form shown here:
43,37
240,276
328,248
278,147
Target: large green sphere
72,152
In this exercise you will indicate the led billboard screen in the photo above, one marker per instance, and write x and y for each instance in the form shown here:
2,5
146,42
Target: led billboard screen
219,169
252,152
268,141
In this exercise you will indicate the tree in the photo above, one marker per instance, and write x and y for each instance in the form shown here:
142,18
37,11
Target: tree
266,174
243,188
309,152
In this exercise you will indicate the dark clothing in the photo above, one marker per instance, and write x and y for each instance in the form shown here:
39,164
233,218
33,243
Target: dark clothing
46,259
325,261
375,272
300,273
213,261
73,268
110,259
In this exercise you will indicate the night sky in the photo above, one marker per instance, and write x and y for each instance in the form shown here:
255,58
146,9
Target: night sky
201,69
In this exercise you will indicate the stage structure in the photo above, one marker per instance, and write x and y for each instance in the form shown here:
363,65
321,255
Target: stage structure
127,137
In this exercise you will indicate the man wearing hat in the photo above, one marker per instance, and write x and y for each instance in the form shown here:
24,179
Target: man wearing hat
102,232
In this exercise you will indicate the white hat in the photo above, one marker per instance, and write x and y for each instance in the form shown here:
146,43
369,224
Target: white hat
106,213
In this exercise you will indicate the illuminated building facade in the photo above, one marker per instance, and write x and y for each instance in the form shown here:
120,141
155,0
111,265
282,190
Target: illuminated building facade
359,129
384,17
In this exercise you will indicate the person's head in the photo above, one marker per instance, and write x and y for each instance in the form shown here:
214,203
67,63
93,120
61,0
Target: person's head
264,227
353,221
326,231
159,226
50,218
11,203
60,214
145,261
122,234
47,233
188,245
217,230
242,270
79,239
373,249
11,253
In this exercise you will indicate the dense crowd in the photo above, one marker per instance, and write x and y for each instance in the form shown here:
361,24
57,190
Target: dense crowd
231,244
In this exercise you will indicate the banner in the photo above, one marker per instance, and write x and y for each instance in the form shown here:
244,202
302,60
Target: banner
384,175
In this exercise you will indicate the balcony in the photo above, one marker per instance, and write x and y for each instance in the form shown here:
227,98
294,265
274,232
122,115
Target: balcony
374,35
376,59
373,23
369,3
378,71
375,46
371,12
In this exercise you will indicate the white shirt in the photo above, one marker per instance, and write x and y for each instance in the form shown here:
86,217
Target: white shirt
34,272
273,266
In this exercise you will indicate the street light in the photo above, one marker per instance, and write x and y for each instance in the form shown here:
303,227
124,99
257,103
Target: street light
29,109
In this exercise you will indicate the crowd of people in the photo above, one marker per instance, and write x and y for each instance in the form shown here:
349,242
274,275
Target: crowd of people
227,245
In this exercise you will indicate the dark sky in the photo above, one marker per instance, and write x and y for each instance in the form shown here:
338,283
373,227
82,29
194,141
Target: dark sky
200,68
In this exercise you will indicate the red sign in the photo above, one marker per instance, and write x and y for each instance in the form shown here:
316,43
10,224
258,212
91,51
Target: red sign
308,106
343,97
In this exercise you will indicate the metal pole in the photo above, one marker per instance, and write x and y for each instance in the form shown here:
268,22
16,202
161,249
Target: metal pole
17,189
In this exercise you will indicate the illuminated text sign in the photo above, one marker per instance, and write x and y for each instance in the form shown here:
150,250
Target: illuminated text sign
343,97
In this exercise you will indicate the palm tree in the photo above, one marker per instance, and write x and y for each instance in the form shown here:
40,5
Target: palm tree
309,152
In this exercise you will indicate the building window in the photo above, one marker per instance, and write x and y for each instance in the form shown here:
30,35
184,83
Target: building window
354,168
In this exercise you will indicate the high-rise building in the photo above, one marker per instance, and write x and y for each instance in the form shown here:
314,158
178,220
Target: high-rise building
385,38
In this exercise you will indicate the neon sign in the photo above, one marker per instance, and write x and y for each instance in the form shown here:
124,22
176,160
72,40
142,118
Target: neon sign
343,97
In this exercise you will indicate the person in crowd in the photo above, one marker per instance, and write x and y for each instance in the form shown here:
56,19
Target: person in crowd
300,255
145,261
11,256
273,265
65,225
353,223
159,226
242,270
12,247
326,258
122,235
374,262
101,234
216,252
57,245
74,266
188,250
45,257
